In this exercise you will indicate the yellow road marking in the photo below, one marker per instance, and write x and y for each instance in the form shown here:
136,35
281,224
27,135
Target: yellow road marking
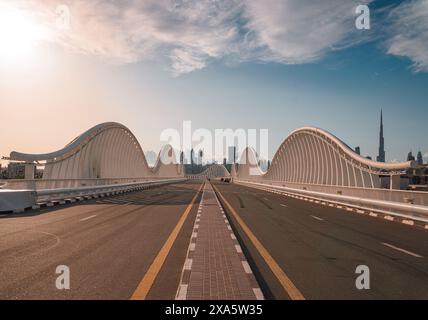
285,281
149,278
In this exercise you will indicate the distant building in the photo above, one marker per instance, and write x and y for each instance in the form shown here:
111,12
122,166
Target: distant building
357,150
419,158
381,156
410,156
231,155
16,170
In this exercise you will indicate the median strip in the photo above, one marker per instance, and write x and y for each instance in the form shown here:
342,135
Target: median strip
284,280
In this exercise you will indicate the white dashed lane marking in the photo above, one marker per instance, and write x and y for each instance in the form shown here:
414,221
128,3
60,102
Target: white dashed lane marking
246,267
87,218
317,218
402,250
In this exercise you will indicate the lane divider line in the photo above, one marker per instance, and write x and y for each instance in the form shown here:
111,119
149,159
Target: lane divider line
149,278
402,250
87,218
284,280
317,218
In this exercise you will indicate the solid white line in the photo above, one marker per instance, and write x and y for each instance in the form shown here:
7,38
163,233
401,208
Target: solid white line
258,293
402,250
87,218
317,218
284,205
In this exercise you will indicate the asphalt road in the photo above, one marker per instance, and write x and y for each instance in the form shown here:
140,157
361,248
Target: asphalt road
319,248
108,245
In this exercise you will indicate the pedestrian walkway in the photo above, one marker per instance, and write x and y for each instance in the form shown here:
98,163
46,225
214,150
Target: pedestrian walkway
215,267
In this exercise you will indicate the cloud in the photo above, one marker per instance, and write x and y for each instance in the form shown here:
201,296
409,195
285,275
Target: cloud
192,33
409,33
296,31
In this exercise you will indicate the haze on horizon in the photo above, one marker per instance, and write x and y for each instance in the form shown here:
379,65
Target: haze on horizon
152,64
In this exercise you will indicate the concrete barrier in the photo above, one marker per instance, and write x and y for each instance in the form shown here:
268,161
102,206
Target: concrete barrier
17,200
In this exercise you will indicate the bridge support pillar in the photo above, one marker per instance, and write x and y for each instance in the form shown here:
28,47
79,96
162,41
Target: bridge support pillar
30,169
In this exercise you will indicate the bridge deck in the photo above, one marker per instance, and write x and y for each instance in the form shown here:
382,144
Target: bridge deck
215,267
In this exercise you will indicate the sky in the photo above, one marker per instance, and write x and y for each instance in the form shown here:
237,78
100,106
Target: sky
272,64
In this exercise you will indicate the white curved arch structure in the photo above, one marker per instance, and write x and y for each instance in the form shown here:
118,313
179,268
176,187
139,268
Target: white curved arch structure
314,156
108,150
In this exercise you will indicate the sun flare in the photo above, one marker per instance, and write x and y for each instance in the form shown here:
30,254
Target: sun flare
19,34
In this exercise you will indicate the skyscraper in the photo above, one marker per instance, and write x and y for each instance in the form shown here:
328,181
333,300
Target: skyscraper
381,156
357,150
419,158
232,154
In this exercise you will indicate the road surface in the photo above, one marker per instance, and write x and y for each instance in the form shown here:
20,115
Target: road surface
135,246
108,245
319,248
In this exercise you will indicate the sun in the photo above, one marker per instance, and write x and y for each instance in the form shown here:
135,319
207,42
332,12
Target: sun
19,35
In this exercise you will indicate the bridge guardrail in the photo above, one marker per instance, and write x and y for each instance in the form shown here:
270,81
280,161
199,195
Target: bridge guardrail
37,184
19,200
414,212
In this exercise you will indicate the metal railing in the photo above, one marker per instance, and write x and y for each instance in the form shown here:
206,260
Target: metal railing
403,196
41,196
40,184
400,209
